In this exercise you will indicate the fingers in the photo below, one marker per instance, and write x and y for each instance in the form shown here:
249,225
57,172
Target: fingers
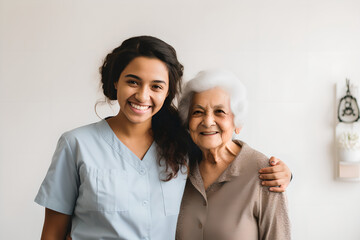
273,169
271,176
274,161
273,183
277,177
280,176
276,166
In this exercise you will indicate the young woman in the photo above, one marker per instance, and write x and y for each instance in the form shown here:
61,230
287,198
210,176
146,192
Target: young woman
123,177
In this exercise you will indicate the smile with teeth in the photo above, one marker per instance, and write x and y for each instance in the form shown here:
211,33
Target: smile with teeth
208,133
139,107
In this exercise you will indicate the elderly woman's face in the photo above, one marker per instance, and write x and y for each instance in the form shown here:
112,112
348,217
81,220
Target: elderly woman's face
211,122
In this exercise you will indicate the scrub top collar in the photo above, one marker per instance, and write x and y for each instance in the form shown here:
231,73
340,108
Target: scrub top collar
123,151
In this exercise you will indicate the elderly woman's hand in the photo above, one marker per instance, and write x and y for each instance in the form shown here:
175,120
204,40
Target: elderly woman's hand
277,177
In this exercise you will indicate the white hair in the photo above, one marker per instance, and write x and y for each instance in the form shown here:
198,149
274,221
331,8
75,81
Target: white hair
206,80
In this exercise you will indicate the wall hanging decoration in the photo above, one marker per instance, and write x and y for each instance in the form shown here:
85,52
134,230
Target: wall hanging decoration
347,131
348,110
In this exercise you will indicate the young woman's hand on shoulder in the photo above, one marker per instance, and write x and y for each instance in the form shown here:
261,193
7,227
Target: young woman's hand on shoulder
277,177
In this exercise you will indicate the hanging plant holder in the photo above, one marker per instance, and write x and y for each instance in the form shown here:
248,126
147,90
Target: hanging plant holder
348,110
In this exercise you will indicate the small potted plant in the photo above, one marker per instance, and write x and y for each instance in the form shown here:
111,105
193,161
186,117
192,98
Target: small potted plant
349,147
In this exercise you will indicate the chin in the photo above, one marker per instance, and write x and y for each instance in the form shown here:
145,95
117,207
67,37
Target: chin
138,120
208,146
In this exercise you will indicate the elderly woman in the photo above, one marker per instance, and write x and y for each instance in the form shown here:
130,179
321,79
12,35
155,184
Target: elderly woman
223,197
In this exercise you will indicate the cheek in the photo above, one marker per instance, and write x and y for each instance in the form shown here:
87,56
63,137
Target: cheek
160,99
228,127
193,123
123,91
193,137
192,129
163,95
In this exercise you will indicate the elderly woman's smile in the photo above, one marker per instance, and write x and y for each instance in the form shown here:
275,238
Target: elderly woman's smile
211,122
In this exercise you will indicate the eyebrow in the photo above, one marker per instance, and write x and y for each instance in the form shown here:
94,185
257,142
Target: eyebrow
198,106
216,106
139,78
219,106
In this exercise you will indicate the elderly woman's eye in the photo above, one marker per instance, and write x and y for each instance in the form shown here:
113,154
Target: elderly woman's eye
196,112
220,111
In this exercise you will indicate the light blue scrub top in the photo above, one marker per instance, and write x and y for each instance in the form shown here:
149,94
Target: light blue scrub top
110,192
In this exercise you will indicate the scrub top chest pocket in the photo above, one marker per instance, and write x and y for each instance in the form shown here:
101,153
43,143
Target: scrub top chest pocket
103,190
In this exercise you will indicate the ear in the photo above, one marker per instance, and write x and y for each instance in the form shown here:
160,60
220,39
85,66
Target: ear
237,130
115,85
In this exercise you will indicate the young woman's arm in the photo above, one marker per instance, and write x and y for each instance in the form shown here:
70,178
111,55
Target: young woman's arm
56,225
277,177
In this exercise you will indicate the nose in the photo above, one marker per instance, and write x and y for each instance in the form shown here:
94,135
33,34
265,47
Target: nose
208,120
142,95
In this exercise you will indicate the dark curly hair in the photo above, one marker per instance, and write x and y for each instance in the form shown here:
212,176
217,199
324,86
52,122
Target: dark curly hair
169,134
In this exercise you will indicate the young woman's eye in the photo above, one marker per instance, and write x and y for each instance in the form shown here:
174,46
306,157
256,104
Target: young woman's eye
132,82
157,87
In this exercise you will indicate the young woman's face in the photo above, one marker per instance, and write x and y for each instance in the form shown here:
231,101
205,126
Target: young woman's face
142,89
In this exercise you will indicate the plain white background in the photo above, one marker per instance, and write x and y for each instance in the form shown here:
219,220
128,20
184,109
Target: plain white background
288,53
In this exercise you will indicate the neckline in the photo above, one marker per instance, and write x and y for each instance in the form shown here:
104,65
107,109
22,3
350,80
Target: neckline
110,137
233,170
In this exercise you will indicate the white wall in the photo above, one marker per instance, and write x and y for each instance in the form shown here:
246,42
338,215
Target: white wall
289,54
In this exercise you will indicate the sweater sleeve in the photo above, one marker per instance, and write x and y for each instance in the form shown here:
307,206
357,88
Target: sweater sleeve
273,219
